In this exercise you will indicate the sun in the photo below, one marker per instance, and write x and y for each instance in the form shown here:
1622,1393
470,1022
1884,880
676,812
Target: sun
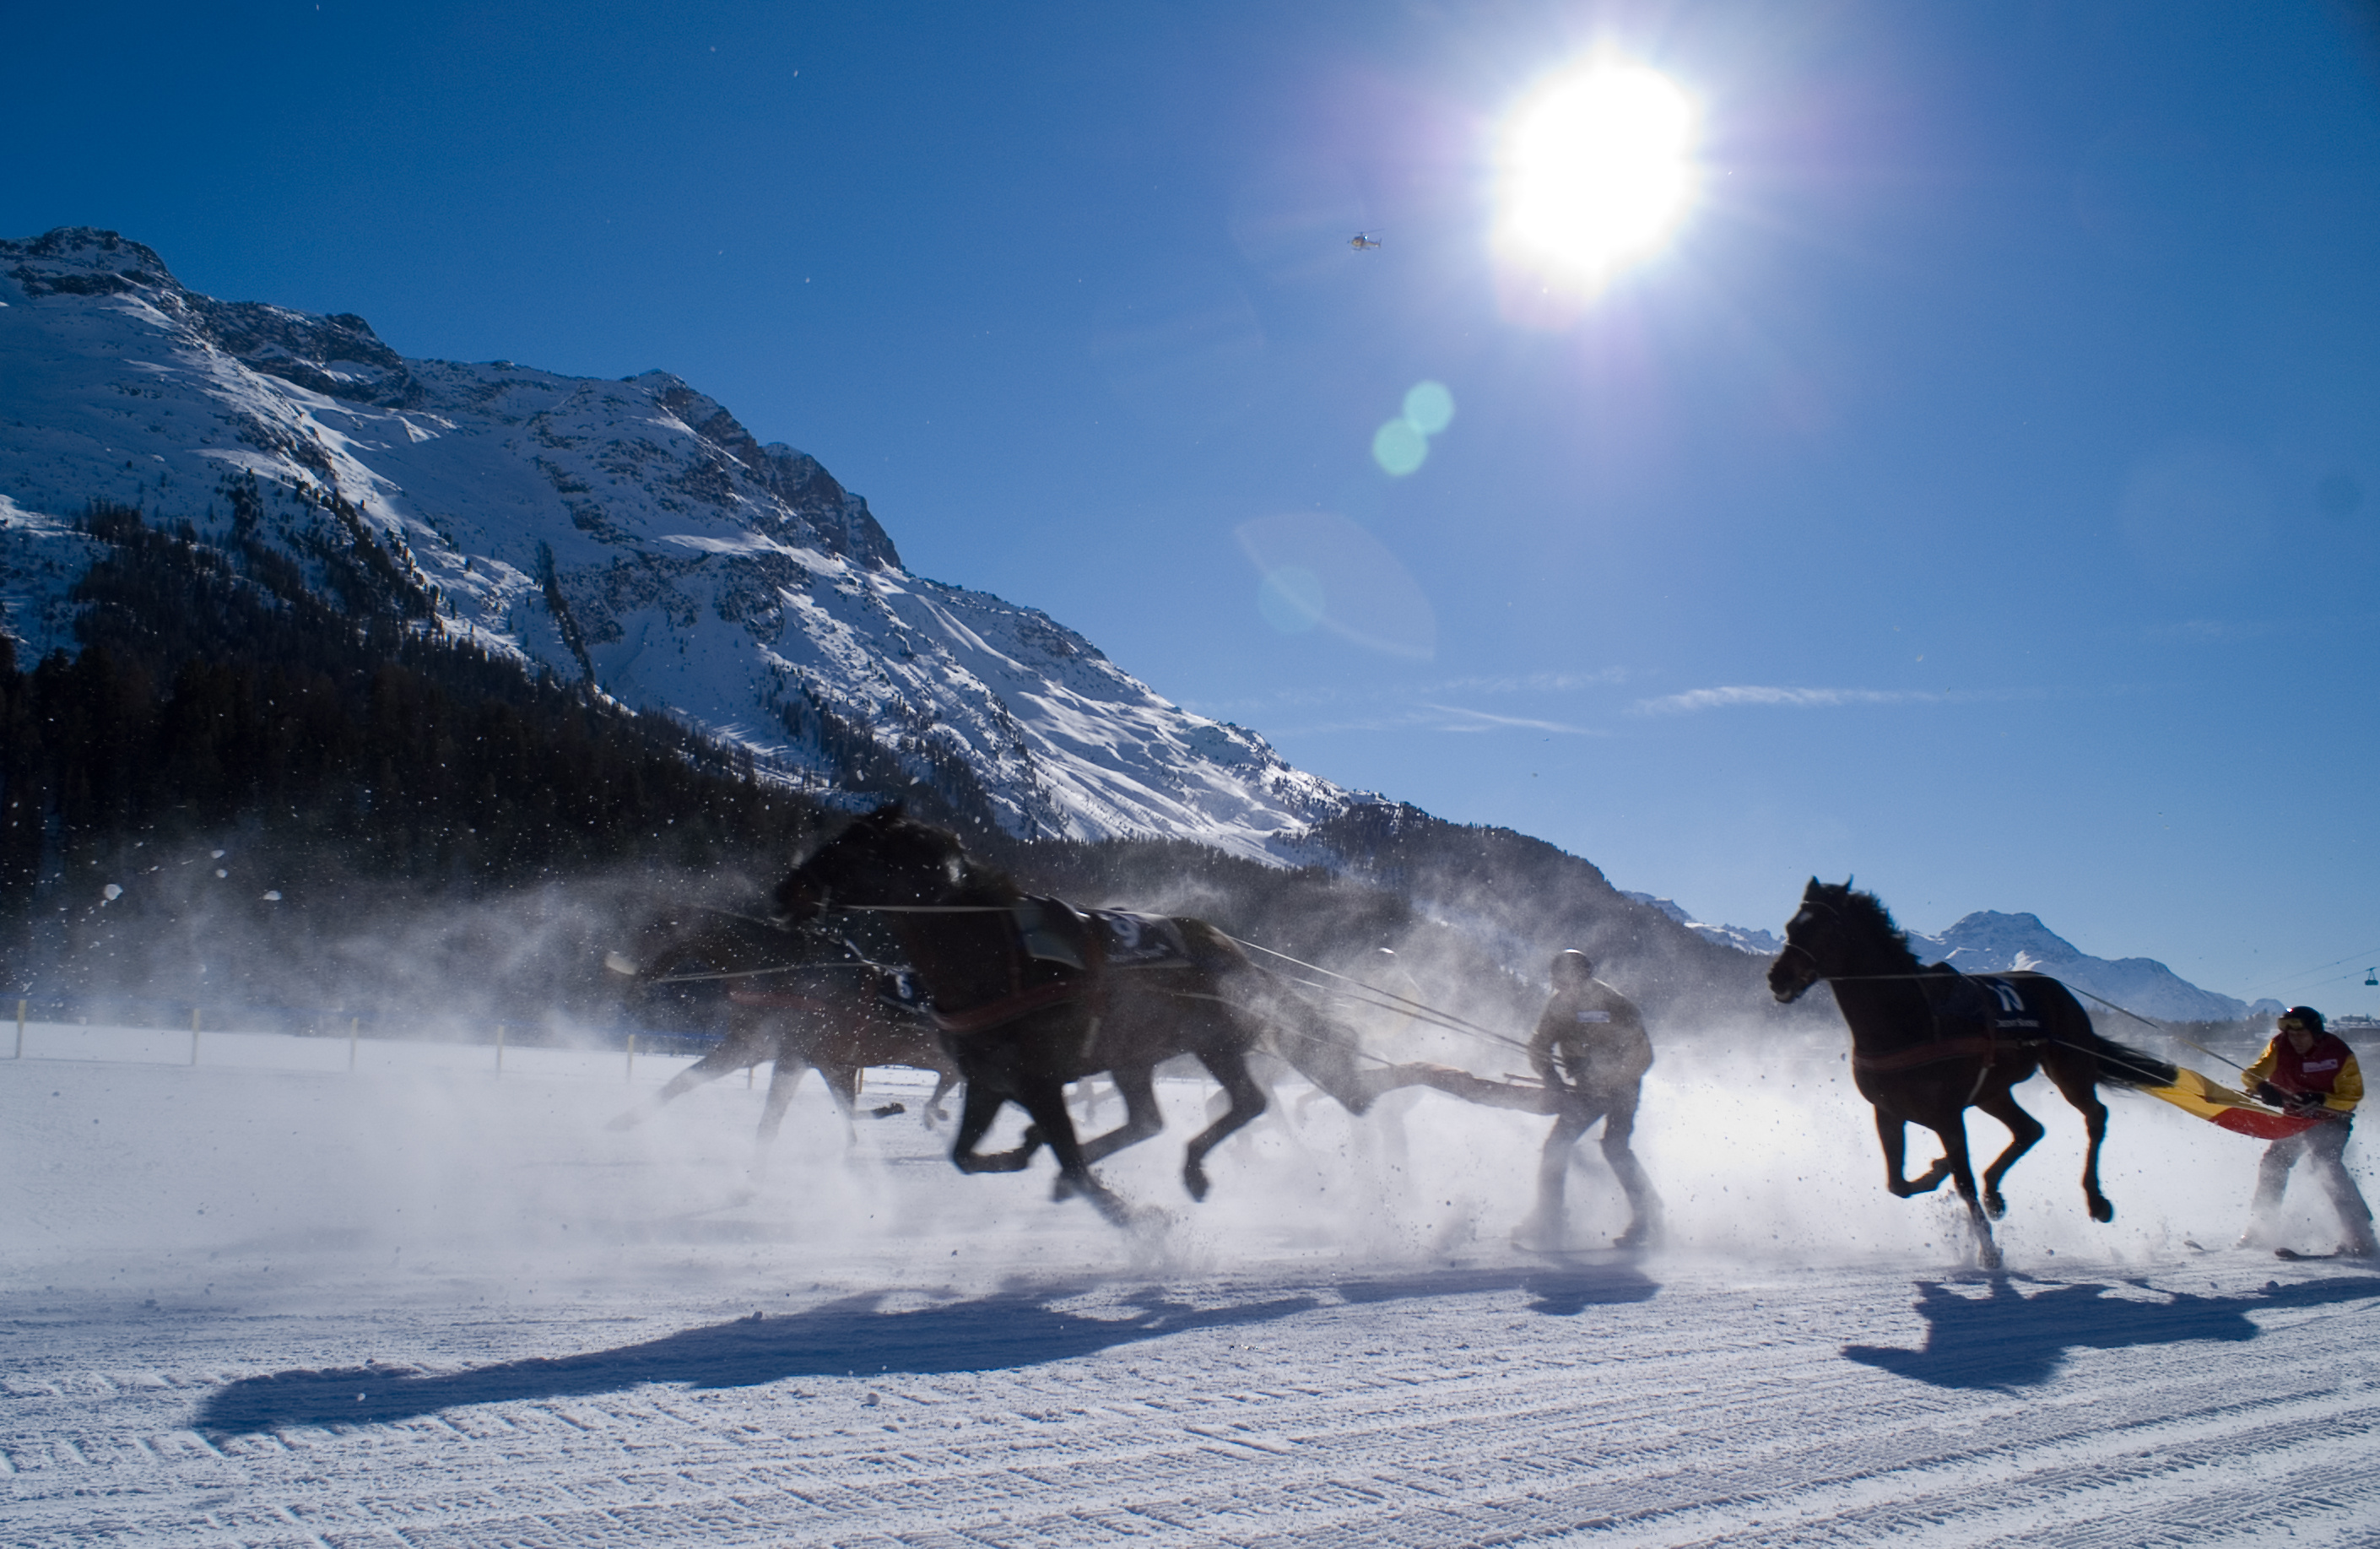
1596,168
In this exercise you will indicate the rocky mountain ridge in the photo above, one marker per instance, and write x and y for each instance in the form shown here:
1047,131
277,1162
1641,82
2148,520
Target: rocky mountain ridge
631,535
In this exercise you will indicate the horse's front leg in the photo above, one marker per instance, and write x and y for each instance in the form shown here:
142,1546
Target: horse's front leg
1962,1174
729,1054
935,1113
1891,1134
1142,1116
980,1106
1054,1127
785,1078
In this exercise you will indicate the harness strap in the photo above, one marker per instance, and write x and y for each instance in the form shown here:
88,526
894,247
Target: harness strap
1949,1048
1929,1054
778,1001
983,1018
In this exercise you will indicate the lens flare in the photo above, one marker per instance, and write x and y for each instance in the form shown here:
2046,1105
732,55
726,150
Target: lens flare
1430,407
1596,168
1292,599
1399,447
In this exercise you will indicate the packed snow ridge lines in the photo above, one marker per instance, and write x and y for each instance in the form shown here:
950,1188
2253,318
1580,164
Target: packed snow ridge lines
631,535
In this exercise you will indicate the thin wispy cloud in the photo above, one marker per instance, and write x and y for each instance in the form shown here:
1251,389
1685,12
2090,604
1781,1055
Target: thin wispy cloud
1801,699
1459,718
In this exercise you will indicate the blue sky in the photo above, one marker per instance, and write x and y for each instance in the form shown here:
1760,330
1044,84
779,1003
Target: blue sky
1979,493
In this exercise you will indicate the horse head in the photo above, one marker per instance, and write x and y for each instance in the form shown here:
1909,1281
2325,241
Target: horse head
1814,941
883,857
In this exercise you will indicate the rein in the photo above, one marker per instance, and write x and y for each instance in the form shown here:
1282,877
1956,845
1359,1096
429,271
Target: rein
755,973
1419,1010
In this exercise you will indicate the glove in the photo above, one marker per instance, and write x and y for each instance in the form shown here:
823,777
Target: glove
2271,1095
2307,1100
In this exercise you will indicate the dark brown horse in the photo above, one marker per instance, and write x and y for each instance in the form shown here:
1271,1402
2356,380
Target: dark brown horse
799,1001
1030,994
1927,1043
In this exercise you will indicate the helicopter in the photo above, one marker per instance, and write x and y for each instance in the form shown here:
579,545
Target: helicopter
1363,239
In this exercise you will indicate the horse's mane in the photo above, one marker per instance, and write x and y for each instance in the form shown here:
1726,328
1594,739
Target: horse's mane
1865,911
975,877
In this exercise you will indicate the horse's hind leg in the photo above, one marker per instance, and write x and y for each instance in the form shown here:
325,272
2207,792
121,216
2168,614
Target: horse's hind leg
2024,1133
1247,1095
2081,1088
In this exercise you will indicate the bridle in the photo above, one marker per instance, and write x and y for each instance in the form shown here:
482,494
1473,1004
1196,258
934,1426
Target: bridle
1793,946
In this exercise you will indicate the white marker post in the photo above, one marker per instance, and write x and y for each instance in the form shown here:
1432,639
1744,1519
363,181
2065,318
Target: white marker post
632,1057
500,1048
194,1035
355,1026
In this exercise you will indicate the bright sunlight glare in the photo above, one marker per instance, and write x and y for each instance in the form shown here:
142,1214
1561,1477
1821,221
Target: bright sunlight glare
1596,167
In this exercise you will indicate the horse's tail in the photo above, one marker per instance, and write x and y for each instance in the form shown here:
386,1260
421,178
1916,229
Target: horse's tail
2122,1064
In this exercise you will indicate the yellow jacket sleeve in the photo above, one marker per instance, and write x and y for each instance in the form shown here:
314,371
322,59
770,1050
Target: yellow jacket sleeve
2262,1071
2346,1087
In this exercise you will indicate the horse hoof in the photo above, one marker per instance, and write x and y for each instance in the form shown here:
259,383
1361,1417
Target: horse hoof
1993,1206
1195,1180
2103,1211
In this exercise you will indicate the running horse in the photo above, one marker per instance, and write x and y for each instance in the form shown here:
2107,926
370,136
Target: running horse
1031,994
1927,1043
773,997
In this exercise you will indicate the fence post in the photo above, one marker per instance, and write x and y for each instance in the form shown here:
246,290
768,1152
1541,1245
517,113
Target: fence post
632,1057
354,1026
194,1035
20,1030
500,1048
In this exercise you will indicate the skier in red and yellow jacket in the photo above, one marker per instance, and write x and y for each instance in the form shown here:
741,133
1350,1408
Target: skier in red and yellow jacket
2307,1069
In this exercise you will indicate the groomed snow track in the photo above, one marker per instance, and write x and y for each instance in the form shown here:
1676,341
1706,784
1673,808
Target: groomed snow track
279,1309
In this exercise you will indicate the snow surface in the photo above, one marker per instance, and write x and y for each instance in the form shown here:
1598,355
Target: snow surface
262,1300
699,572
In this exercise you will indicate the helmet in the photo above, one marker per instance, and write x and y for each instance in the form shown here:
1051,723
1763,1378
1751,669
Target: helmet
2299,1017
1572,968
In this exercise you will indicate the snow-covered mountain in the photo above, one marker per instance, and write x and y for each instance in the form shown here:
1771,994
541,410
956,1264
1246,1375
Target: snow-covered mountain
630,534
1763,943
1988,942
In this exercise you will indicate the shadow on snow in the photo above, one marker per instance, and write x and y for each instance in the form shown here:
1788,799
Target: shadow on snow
850,1338
2008,1339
